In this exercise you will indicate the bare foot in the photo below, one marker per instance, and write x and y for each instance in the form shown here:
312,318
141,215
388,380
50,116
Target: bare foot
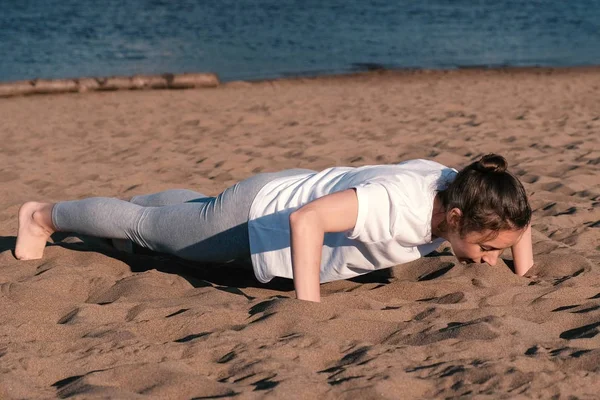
35,227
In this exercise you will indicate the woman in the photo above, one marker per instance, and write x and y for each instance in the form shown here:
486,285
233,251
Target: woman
312,226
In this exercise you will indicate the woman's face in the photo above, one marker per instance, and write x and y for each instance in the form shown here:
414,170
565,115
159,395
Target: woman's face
483,246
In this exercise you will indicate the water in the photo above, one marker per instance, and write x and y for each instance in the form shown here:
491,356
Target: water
254,39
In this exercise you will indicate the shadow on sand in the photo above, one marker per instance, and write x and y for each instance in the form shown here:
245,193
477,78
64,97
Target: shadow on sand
230,277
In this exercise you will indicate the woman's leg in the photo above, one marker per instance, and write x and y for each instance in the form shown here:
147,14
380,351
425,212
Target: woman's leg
206,229
160,199
36,225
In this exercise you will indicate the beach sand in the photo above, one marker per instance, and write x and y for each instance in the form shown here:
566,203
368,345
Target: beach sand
89,322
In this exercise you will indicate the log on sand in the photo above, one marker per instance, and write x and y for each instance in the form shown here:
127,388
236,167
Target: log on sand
136,82
17,88
44,86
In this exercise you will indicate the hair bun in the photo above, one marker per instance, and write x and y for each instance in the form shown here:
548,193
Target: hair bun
491,163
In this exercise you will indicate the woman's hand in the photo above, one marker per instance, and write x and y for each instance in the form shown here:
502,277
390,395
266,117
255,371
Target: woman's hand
336,212
523,253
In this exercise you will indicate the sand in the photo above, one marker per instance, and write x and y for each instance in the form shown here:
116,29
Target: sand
89,322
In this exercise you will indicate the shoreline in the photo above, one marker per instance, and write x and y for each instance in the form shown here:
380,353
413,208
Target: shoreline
196,80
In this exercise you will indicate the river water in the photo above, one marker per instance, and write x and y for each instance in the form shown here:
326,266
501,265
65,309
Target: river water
256,39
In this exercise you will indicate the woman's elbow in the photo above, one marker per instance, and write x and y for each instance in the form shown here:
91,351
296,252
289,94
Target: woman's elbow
304,217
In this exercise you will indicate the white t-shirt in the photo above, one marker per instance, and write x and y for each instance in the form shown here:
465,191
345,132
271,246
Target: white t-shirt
393,226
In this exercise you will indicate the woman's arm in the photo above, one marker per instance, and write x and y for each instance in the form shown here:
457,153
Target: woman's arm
336,212
523,253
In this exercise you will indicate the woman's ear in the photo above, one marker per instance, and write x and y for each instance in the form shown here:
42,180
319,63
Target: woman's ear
453,218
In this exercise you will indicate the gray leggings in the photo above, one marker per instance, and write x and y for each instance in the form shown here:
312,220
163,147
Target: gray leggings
181,222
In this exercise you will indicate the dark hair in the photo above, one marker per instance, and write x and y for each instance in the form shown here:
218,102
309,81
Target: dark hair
489,197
